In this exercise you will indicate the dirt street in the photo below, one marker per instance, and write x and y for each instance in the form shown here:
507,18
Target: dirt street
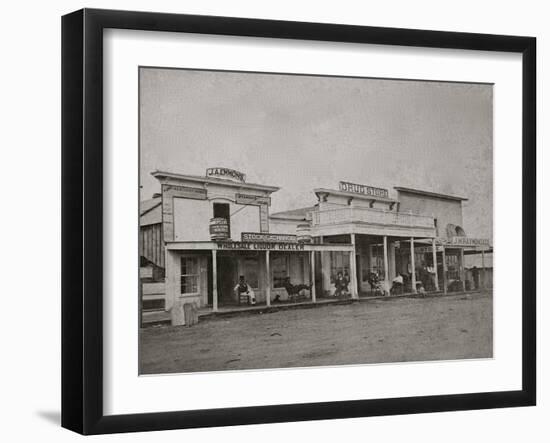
389,330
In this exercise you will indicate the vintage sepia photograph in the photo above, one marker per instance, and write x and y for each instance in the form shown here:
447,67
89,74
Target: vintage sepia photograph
293,220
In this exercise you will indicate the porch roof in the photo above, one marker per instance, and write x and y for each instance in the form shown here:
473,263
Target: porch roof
257,246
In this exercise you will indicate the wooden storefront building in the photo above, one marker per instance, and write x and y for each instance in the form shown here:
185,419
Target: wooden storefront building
206,231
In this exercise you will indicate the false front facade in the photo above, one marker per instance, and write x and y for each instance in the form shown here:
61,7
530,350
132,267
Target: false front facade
216,230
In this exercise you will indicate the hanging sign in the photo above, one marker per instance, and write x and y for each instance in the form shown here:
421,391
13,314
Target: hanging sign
264,218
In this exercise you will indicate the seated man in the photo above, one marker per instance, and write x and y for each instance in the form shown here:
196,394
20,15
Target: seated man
341,283
294,290
244,288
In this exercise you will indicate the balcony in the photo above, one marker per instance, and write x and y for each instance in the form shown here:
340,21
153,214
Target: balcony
379,220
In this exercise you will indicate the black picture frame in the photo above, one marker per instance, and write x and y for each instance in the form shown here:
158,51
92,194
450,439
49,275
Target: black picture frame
82,219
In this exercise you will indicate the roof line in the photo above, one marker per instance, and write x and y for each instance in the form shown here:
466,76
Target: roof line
430,193
151,208
354,195
278,216
213,180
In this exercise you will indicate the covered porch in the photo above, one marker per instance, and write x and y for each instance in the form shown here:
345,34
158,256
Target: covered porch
205,274
420,265
383,264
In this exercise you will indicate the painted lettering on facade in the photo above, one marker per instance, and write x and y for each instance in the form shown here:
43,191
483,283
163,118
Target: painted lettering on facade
226,173
264,218
427,249
469,241
185,191
248,199
259,246
464,241
271,238
363,189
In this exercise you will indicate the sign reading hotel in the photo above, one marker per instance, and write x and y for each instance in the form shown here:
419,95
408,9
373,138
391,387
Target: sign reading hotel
226,173
363,189
269,238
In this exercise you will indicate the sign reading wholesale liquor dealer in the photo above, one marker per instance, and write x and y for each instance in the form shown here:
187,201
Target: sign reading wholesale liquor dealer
271,238
259,246
363,189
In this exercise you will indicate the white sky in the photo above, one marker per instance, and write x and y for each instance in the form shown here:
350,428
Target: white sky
304,132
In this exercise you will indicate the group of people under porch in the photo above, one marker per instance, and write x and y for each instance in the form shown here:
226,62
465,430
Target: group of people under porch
402,283
294,291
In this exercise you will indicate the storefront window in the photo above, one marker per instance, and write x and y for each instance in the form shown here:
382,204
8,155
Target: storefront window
377,260
280,270
339,262
453,269
250,271
189,275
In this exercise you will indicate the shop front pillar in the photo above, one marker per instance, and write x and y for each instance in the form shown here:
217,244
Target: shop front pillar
312,281
483,268
391,261
267,279
325,262
434,258
462,269
353,270
214,281
413,267
444,257
386,266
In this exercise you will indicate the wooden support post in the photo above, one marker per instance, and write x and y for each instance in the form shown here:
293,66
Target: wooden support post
413,267
325,273
462,269
267,279
353,270
386,266
434,258
313,292
214,281
483,268
444,257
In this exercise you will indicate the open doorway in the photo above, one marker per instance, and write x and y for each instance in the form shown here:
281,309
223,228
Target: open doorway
227,279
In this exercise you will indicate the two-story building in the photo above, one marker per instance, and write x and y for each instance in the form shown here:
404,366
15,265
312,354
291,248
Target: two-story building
216,227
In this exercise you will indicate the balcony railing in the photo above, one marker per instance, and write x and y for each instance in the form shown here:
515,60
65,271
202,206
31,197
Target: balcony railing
368,215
